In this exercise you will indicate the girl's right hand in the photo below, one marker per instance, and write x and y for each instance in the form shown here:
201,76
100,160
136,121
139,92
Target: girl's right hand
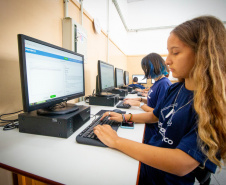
132,102
113,116
136,99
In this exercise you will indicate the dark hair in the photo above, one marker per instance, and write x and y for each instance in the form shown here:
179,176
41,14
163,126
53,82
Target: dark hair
153,66
135,79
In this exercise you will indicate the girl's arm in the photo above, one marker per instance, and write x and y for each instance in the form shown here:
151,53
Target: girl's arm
147,117
173,161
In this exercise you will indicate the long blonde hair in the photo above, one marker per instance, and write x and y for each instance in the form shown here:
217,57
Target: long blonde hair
206,35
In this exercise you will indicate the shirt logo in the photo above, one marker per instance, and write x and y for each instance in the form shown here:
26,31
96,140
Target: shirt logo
166,116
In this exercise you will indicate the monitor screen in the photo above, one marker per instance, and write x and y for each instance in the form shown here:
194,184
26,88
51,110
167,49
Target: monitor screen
49,74
152,81
141,79
106,76
119,77
126,77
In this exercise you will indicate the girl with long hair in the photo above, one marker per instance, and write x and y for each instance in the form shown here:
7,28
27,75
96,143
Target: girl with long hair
191,116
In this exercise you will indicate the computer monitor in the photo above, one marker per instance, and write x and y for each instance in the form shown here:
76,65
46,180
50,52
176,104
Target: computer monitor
106,78
126,77
141,79
49,75
119,77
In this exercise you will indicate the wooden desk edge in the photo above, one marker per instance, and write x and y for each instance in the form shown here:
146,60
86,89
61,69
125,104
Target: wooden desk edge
21,172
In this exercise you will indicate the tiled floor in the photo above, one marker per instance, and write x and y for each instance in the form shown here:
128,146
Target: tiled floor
219,178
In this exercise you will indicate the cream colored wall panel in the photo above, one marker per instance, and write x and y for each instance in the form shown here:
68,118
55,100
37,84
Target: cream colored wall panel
43,20
40,19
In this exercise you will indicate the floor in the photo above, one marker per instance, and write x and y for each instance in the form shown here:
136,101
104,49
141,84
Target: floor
219,178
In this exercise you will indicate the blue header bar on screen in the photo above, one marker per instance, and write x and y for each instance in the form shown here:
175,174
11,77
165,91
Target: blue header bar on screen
42,53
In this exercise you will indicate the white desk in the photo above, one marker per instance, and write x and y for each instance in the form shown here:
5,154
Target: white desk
53,159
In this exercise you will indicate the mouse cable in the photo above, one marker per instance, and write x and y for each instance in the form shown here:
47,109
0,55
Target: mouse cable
93,92
9,124
5,120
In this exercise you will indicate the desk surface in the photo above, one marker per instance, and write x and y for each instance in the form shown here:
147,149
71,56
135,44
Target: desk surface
67,162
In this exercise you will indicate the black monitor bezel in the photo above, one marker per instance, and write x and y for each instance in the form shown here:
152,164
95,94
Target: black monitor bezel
23,75
118,85
135,75
125,74
99,77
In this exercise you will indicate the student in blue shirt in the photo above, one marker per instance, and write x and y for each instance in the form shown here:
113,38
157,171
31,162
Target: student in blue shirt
155,68
191,116
135,84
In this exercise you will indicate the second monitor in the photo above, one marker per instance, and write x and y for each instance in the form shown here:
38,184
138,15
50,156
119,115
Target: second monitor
122,80
119,78
126,77
107,80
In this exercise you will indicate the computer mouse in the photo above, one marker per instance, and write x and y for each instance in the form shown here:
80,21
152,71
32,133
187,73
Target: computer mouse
117,111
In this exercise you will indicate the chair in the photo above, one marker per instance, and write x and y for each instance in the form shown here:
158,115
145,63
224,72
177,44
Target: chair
202,175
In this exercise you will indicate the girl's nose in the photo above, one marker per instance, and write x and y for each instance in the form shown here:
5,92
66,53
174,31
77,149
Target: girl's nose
168,60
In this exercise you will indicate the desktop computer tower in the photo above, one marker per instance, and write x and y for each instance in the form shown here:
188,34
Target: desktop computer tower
104,100
128,88
63,125
121,92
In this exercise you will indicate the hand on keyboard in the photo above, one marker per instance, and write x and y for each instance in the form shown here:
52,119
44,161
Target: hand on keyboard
122,104
132,102
137,99
106,135
112,116
87,136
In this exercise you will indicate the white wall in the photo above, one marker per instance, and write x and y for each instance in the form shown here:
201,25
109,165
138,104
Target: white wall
150,13
164,13
98,9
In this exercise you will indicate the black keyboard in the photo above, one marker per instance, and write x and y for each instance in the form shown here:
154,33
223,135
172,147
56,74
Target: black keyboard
88,137
122,105
133,92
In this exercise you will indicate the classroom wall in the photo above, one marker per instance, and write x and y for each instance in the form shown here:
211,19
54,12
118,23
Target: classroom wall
134,67
42,19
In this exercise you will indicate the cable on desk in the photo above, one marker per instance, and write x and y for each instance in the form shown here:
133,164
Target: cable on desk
10,124
93,115
87,99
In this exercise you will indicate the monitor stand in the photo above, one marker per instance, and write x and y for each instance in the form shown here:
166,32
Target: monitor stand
58,109
105,94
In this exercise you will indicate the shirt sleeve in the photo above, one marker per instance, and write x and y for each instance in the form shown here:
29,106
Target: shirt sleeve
160,103
189,144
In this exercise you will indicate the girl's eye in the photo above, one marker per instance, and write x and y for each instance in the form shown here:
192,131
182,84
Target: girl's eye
175,53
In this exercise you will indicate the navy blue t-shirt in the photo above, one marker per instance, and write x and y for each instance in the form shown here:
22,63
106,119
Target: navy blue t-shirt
177,129
136,86
155,94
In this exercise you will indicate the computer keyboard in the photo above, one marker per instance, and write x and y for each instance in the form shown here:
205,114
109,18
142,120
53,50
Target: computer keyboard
140,94
122,105
133,92
88,137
